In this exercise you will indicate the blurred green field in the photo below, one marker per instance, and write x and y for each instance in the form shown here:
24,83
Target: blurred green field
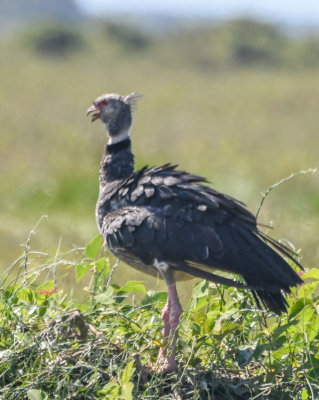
244,128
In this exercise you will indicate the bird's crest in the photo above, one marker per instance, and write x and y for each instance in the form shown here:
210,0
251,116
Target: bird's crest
132,99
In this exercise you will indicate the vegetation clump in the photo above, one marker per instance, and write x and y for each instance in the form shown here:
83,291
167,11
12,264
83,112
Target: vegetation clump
54,40
53,347
128,37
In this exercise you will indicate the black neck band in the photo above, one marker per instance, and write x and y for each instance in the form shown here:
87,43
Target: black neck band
114,148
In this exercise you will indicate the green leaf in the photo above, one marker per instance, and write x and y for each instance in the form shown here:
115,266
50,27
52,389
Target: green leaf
35,394
105,297
126,391
111,389
200,302
210,320
297,307
155,298
231,326
81,270
195,329
103,264
46,286
304,394
127,372
25,294
134,286
92,248
282,352
313,328
43,308
201,289
279,330
312,274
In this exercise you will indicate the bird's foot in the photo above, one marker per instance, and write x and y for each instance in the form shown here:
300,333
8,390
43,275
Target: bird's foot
165,363
165,366
162,366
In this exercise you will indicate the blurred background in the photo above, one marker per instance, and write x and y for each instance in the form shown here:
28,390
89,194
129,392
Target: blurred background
230,92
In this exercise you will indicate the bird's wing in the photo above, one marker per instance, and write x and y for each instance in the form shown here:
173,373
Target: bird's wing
170,215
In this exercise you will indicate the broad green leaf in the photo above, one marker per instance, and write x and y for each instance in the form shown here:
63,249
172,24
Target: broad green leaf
128,372
195,328
134,286
199,317
308,314
43,308
25,294
297,307
46,286
105,297
201,289
210,320
260,348
282,352
230,326
155,298
81,270
281,329
312,274
111,389
304,394
103,264
126,391
200,302
35,394
92,248
313,329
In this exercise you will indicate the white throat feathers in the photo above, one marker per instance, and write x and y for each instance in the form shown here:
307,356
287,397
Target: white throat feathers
125,134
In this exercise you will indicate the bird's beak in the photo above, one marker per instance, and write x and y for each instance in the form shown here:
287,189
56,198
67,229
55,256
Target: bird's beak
96,114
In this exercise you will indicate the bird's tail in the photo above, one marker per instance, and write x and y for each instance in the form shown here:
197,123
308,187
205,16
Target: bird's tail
274,301
272,298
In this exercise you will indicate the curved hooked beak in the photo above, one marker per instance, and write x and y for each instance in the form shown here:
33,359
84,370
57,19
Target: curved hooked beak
96,114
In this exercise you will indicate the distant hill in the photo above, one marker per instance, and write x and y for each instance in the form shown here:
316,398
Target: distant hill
15,12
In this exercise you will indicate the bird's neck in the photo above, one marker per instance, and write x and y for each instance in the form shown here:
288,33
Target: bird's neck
119,137
117,162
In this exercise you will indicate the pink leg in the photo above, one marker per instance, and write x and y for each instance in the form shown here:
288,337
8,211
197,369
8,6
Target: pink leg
171,314
165,332
165,317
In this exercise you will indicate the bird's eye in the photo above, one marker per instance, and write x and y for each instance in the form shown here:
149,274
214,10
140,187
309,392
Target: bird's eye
105,102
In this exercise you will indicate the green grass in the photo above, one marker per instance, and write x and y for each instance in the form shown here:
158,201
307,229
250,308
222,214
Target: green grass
53,347
244,128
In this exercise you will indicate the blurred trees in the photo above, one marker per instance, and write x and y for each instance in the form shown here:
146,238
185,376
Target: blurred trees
230,44
54,40
240,43
128,37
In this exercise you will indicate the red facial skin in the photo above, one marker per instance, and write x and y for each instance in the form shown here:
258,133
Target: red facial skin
96,108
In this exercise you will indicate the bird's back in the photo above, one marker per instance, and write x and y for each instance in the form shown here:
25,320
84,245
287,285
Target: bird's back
171,216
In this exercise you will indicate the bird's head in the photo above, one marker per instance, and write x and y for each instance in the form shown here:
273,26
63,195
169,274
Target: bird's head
115,112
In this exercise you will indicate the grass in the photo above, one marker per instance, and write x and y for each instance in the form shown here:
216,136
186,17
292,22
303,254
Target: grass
243,128
70,325
53,347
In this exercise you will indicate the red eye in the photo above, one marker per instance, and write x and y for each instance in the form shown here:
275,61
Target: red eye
105,102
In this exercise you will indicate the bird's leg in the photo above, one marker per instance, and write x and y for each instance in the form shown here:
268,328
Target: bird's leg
171,313
165,317
166,329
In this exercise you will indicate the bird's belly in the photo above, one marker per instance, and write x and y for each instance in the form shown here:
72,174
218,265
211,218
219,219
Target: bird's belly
149,269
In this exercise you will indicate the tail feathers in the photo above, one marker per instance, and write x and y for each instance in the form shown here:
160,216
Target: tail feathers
281,248
274,301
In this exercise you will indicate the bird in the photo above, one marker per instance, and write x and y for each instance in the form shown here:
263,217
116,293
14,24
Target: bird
170,223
